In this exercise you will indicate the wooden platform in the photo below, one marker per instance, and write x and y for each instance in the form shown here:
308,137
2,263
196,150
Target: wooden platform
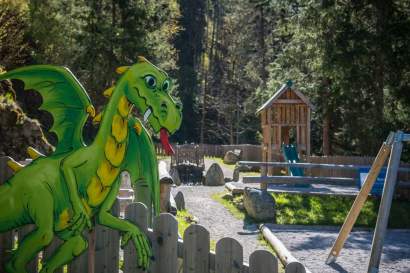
238,187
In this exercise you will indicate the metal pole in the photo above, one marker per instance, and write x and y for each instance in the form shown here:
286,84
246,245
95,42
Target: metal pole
385,205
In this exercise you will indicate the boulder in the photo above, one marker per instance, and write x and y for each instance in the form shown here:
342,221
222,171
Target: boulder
231,157
214,176
175,176
259,204
180,201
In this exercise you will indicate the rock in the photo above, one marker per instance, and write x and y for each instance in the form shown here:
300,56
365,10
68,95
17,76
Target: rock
214,176
175,176
231,157
235,176
180,201
259,204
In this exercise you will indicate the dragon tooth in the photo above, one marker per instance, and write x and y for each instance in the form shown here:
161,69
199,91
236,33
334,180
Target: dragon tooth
147,114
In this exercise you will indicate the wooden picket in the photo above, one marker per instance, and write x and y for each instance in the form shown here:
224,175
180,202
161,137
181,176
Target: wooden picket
167,248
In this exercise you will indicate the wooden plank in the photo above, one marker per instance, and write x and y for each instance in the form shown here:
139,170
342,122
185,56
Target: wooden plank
32,266
107,246
360,200
6,238
385,204
136,213
288,101
262,261
165,238
309,165
344,181
196,250
228,256
80,264
291,264
49,251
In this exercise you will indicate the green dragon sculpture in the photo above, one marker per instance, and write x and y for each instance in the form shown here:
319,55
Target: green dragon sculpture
60,193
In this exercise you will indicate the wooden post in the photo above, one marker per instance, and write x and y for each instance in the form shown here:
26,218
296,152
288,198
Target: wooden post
106,259
360,199
262,261
32,266
385,205
137,213
229,256
196,250
165,243
291,264
49,251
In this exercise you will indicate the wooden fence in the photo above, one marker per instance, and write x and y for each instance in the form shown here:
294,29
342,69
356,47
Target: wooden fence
249,152
347,160
172,254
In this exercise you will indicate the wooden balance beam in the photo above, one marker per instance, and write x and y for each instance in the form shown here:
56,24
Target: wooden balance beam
344,181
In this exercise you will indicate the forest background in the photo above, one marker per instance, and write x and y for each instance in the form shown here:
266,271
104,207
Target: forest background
351,58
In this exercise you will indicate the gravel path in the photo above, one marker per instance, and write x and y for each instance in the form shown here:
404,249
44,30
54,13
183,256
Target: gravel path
218,220
311,245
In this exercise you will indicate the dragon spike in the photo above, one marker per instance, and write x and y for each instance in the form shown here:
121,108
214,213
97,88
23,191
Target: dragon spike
97,119
108,92
121,69
33,153
91,110
142,59
14,165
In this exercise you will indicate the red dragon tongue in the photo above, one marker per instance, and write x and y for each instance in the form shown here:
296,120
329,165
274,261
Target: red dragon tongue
163,135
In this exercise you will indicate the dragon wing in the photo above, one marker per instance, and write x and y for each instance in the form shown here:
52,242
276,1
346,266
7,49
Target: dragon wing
63,97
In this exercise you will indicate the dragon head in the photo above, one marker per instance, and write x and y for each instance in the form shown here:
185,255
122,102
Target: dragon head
147,87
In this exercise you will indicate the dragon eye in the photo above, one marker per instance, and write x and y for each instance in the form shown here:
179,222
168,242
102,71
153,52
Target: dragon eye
166,85
150,81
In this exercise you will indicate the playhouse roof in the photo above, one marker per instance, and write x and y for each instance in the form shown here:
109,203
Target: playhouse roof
285,87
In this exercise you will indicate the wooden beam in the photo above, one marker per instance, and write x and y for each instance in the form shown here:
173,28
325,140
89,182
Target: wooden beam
385,205
345,181
309,165
360,199
290,263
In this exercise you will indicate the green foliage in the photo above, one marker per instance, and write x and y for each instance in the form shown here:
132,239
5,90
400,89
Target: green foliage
14,43
299,209
332,210
341,55
228,56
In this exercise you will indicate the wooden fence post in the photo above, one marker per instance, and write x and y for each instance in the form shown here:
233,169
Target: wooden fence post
80,263
229,256
137,213
165,242
32,266
6,238
196,250
107,246
262,261
50,250
385,205
360,199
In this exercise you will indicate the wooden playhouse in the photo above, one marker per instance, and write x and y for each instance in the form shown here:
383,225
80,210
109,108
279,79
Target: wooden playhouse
285,119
